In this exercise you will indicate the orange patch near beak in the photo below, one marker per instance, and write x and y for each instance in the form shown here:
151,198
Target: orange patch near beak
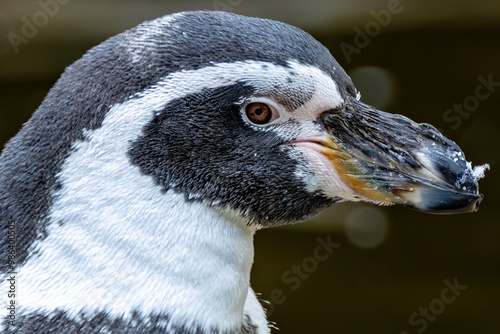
349,173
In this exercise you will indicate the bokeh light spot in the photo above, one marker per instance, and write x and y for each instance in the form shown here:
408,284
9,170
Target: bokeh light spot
366,227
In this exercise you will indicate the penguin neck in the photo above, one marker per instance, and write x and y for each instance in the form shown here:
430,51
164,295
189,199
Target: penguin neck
116,243
155,255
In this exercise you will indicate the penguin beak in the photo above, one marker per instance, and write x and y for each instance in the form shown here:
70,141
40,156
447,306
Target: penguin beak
389,159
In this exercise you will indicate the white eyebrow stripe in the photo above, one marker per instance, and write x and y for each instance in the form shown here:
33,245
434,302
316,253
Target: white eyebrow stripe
266,78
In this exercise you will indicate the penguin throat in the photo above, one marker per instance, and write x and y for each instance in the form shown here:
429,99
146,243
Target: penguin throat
117,244
173,258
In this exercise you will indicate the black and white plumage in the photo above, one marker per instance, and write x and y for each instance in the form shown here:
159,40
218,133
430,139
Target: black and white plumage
138,184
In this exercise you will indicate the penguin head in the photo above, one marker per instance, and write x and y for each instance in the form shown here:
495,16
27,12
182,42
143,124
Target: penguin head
254,116
266,122
243,95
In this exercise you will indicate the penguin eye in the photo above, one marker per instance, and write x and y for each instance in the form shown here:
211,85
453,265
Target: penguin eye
259,113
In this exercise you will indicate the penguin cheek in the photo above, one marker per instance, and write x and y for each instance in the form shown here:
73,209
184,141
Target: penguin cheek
318,173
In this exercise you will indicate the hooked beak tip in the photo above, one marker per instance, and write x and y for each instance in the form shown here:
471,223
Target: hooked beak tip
440,201
447,184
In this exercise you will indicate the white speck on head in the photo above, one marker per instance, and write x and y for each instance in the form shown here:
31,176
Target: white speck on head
145,33
478,171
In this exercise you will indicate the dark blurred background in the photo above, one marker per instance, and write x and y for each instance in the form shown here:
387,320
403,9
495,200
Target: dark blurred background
392,270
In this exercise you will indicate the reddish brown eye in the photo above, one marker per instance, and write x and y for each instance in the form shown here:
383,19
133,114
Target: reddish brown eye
259,113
